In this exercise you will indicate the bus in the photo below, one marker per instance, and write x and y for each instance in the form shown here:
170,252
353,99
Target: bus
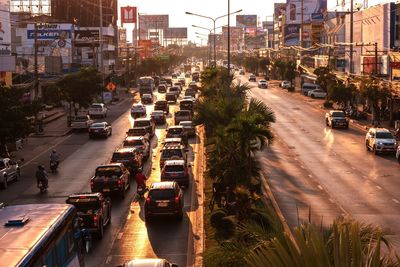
146,85
39,235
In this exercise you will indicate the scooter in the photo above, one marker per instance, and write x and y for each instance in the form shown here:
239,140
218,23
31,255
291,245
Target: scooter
53,166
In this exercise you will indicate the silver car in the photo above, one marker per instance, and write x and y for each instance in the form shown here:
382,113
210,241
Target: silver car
189,127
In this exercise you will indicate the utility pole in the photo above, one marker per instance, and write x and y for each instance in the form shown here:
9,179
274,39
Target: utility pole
351,37
35,59
302,23
101,45
329,59
229,37
376,58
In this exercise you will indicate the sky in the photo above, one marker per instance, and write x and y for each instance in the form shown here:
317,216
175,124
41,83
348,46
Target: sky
212,8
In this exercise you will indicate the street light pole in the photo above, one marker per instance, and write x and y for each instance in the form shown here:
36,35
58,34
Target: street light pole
229,37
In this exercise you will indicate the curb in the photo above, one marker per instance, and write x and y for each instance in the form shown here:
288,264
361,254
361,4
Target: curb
54,117
51,135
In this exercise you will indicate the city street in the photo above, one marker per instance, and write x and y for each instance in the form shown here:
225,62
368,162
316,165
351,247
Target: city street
319,173
128,236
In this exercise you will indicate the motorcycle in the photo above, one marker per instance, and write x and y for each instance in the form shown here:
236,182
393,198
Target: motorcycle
53,166
141,190
42,186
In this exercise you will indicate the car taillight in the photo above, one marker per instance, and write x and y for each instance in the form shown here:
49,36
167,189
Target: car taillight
95,218
141,147
148,200
177,200
119,182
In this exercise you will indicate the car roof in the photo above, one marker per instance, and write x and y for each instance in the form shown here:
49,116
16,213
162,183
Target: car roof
102,104
125,150
113,164
379,129
175,127
89,194
134,138
102,123
185,122
172,146
142,119
157,111
173,139
147,95
163,101
138,105
145,263
174,162
163,185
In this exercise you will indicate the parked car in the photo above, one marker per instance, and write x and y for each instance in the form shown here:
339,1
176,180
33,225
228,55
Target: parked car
182,115
100,129
139,142
172,152
159,117
177,131
262,84
162,88
380,140
98,110
241,72
285,84
93,209
252,78
109,178
306,87
9,171
336,118
148,263
148,123
189,128
138,131
317,93
131,157
164,198
81,122
162,105
147,99
175,170
138,110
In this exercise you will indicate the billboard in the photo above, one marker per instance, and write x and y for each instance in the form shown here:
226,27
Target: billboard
145,48
291,34
246,21
251,31
128,14
311,8
86,38
279,9
176,33
154,22
5,24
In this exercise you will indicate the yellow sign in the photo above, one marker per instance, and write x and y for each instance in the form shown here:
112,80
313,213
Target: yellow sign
111,87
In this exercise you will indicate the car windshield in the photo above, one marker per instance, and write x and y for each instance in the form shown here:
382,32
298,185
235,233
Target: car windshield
118,156
174,168
338,114
96,106
137,131
98,125
157,113
183,112
128,143
141,123
384,135
2,166
85,204
173,89
169,153
162,194
175,131
140,107
108,170
187,124
81,118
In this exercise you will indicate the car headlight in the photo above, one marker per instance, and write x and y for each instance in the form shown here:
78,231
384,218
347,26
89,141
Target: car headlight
380,143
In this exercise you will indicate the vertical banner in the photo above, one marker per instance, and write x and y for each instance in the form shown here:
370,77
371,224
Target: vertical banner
128,14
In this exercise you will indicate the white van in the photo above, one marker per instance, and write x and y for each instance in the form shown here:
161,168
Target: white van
308,87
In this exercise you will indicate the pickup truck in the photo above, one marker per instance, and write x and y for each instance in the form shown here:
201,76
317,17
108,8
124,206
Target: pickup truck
9,170
81,122
93,209
113,177
336,118
182,115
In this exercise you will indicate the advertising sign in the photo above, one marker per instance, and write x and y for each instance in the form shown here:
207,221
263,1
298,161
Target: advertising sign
251,31
86,38
128,14
176,33
310,7
145,48
245,21
5,24
154,22
48,31
279,9
292,34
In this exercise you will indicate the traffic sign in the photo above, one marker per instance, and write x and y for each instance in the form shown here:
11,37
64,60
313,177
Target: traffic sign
164,57
111,87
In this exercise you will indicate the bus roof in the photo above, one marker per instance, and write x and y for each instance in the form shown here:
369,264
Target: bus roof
18,241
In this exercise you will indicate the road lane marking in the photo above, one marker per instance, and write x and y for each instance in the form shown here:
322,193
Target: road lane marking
396,201
310,175
331,200
320,187
120,235
108,260
380,188
301,166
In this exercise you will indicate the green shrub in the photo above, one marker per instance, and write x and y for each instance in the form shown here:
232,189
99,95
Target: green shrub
216,217
226,227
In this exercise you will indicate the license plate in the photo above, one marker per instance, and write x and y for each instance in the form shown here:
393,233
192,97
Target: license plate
162,204
106,190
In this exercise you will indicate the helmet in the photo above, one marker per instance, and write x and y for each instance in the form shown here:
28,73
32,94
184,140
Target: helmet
40,167
54,151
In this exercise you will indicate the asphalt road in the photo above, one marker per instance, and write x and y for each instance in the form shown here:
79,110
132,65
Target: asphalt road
127,236
318,173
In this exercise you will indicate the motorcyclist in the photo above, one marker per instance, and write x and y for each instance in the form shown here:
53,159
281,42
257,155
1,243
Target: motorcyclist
54,157
41,176
140,178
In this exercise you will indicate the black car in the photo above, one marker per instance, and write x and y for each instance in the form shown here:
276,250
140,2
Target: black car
131,157
162,88
93,209
171,97
164,198
162,105
177,131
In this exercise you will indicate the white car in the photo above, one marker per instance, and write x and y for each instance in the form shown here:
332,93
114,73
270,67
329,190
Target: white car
317,93
380,140
81,122
262,84
285,84
98,110
138,110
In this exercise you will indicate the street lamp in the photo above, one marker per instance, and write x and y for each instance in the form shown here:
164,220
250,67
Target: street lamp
214,20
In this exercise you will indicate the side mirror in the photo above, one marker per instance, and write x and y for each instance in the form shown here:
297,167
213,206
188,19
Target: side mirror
174,265
186,150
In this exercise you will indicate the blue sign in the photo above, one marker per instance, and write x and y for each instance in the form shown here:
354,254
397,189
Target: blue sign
49,34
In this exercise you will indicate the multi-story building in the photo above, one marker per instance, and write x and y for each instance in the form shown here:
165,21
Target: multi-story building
236,38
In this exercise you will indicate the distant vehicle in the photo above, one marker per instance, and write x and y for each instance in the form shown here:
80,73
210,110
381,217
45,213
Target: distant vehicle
162,105
177,131
187,75
380,140
336,118
139,142
159,116
175,89
168,80
162,88
94,210
262,84
182,81
193,85
252,78
171,97
177,84
102,129
189,128
81,122
138,131
146,85
285,84
186,104
98,110
191,92
164,198
175,170
182,115
147,99
9,171
196,76
174,76
306,87
148,263
172,152
148,123
317,93
173,141
113,177
30,231
241,72
131,157
138,110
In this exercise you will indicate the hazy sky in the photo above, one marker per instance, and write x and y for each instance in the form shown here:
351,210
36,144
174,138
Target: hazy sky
213,8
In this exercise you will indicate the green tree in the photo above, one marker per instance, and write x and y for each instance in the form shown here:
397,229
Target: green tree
264,65
325,78
340,93
375,94
280,67
251,63
290,71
